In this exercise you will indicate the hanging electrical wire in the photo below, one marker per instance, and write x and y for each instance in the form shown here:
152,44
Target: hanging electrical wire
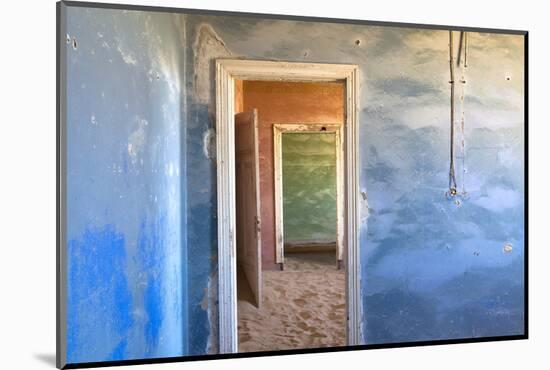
461,61
464,66
452,177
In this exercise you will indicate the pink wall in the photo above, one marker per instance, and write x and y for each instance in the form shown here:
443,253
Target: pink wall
284,102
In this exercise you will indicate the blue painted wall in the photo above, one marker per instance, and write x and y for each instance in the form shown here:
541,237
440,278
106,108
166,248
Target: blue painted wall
126,252
141,181
431,268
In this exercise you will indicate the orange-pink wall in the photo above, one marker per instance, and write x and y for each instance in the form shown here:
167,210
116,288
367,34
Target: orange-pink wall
284,102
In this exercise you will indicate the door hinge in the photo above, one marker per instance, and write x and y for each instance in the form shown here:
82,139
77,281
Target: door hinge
257,224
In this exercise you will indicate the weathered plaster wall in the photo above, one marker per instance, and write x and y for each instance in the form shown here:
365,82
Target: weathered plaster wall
280,103
309,187
126,255
431,269
141,188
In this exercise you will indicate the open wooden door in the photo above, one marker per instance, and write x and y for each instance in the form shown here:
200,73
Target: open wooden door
248,200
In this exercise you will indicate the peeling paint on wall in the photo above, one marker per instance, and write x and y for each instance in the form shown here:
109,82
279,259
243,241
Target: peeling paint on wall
208,47
209,144
364,204
140,112
413,286
127,56
137,139
126,246
210,305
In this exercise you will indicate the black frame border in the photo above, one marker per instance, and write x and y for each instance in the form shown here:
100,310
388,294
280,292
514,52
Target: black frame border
61,185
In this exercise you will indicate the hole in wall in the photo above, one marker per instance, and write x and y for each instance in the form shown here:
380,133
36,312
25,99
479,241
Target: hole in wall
507,248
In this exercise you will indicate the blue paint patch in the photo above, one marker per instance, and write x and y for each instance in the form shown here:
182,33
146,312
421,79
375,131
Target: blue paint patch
125,138
97,291
151,260
153,307
120,350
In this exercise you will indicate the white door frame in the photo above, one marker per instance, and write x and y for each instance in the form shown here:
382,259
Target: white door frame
329,128
227,71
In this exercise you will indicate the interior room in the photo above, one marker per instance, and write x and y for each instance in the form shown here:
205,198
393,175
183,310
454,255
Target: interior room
295,297
430,124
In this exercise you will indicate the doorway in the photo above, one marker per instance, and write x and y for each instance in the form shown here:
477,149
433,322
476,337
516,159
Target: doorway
325,229
227,72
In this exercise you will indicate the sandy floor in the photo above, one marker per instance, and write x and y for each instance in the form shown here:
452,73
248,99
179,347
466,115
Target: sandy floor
303,306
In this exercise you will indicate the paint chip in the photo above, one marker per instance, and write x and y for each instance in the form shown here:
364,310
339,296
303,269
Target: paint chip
208,47
365,209
137,139
127,56
74,43
507,248
209,144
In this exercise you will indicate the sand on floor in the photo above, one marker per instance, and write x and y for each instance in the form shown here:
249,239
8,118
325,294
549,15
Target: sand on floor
302,307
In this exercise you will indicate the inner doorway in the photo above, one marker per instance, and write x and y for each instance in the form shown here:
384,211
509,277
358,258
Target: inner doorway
309,192
227,73
290,283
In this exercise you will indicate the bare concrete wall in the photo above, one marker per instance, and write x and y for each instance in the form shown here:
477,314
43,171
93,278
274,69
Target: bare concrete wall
286,102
